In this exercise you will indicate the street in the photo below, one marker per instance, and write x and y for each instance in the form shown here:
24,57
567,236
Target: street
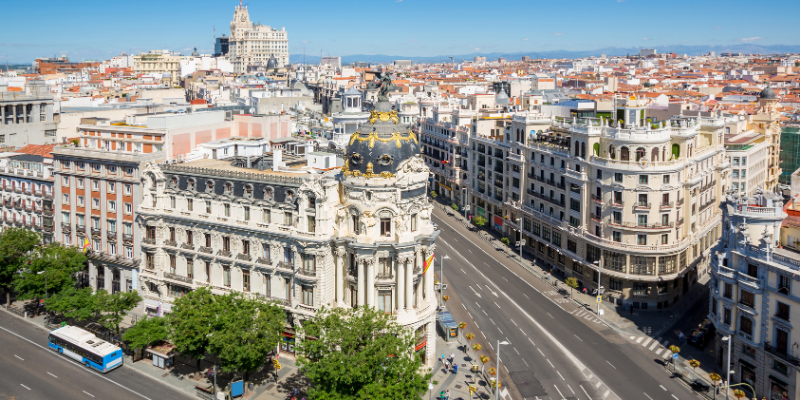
557,349
30,370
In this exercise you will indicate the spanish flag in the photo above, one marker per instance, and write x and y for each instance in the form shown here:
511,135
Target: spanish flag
427,264
86,245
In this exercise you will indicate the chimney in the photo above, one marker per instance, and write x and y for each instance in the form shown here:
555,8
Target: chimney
277,159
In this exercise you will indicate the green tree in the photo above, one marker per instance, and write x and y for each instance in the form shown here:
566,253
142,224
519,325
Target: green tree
359,353
113,307
250,330
58,265
146,332
194,318
572,282
479,221
505,241
15,244
74,303
454,206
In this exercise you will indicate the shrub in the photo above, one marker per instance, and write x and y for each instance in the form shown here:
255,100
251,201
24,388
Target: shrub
505,241
454,206
479,221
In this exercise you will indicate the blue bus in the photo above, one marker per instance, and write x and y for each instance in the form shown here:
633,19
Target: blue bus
85,348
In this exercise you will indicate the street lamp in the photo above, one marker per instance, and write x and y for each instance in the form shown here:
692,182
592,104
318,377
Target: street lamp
45,281
497,389
729,341
599,264
441,274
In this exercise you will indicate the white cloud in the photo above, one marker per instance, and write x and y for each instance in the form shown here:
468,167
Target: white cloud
557,33
524,39
752,39
476,48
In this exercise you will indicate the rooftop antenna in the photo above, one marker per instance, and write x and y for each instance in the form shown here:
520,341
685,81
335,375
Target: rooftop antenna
451,60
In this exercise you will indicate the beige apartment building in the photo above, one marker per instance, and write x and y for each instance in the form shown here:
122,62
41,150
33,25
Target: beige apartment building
253,44
160,61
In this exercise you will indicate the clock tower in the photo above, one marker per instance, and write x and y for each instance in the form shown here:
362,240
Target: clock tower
241,19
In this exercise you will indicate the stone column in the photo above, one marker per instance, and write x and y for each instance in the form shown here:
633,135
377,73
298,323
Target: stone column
362,283
2,114
409,278
370,292
340,255
400,289
431,296
35,113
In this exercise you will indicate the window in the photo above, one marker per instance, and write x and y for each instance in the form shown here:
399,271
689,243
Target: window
666,179
599,174
308,295
226,243
643,179
172,263
112,169
617,177
95,167
414,223
81,223
96,203
641,240
312,224
189,204
784,284
665,238
574,204
641,220
267,215
246,280
747,299
616,236
615,284
112,206
128,208
207,237
112,226
95,185
226,276
208,206
65,199
246,247
386,227
149,260
128,171
265,252
172,202
227,208
287,218
80,201
112,186
246,210
782,311
79,181
745,325
95,223
129,252
726,316
65,181
385,301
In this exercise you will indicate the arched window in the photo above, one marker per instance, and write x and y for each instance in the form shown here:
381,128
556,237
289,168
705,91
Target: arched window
583,149
624,154
577,149
654,154
612,152
596,149
676,151
640,153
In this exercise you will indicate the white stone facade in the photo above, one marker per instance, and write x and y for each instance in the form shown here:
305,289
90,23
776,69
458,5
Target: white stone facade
254,44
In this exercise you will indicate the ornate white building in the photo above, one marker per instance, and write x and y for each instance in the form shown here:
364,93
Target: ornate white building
345,238
252,44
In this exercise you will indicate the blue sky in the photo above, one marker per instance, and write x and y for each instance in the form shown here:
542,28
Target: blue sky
102,29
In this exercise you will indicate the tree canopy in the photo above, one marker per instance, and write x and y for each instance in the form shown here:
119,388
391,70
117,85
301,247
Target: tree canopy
359,353
58,265
15,244
74,303
194,317
112,308
146,332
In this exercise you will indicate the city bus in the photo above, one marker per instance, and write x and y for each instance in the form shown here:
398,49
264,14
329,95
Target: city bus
85,348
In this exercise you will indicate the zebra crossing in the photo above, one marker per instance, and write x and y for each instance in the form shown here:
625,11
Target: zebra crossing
587,315
658,347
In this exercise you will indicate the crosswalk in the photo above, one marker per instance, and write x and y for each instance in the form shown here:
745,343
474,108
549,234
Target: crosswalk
658,347
587,315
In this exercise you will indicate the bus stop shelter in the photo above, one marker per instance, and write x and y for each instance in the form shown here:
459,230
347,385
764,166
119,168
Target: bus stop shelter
448,326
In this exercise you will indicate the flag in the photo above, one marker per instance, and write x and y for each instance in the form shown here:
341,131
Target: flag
86,245
428,263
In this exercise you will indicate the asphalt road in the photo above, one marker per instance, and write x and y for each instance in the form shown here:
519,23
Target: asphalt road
557,350
30,370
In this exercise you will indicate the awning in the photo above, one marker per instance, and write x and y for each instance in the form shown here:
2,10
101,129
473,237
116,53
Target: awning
421,346
444,186
150,303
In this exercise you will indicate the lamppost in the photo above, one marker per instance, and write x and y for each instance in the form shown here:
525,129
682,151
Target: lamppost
599,264
497,389
45,281
729,340
441,274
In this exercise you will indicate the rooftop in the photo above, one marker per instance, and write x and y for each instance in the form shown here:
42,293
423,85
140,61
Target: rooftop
225,165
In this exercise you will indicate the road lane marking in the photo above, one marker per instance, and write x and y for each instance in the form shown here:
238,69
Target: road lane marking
562,395
658,353
469,250
653,346
551,316
646,342
470,315
476,324
585,392
25,386
526,363
648,396
562,378
597,386
534,344
570,388
517,351
95,374
88,393
52,375
577,337
484,313
495,303
640,340
479,306
505,279
19,357
526,296
540,352
492,321
501,332
504,367
662,387
523,332
462,305
609,391
515,324
551,364
462,270
675,397
484,336
611,364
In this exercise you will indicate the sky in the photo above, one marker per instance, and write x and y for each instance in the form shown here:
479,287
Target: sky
102,29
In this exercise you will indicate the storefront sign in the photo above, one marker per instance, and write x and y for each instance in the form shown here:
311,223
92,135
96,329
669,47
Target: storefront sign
421,346
481,212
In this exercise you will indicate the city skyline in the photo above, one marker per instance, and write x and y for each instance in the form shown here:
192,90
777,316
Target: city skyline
420,29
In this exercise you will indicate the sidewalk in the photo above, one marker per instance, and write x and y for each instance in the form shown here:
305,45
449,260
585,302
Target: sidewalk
654,324
183,377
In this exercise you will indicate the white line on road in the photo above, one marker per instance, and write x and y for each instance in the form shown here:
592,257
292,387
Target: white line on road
526,363
25,386
490,345
52,375
577,337
611,364
540,352
515,324
484,313
470,315
598,384
648,396
505,279
662,386
515,349
523,332
504,367
462,305
495,303
484,336
562,378
646,342
462,270
640,340
469,250
526,296
562,395
476,324
501,332
492,321
585,392
570,388
551,316
88,393
675,397
476,303
551,364
653,346
19,357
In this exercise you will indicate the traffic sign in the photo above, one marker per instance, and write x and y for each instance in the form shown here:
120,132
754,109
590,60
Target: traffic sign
675,356
522,242
599,299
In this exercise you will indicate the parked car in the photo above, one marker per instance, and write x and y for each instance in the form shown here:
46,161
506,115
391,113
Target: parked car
703,334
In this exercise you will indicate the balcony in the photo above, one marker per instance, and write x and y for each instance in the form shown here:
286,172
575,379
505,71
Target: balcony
597,218
262,260
96,232
205,250
782,354
283,302
176,277
597,199
637,225
187,246
667,205
285,266
111,235
171,243
385,276
66,227
641,206
307,272
148,240
224,253
243,257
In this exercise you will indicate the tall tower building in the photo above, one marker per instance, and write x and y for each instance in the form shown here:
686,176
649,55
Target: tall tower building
252,44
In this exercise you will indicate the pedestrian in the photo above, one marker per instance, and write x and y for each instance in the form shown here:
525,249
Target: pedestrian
442,358
455,369
681,337
452,357
447,394
296,391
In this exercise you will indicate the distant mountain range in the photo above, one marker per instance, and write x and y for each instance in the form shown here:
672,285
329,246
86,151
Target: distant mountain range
747,48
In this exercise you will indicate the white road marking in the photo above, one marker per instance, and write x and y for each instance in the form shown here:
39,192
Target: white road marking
551,316
640,340
577,337
675,397
648,396
504,367
658,353
534,344
498,328
476,324
585,392
495,303
609,391
611,364
598,384
484,313
490,345
476,303
523,332
526,363
562,378
570,388
91,395
97,374
52,375
492,321
540,352
662,387
526,296
505,279
484,336
562,395
517,351
653,346
462,305
462,270
469,250
19,357
470,316
646,342
25,386
515,324
551,364
633,337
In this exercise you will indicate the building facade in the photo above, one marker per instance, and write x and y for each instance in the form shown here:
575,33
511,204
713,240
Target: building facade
252,44
26,186
27,117
163,62
345,238
754,297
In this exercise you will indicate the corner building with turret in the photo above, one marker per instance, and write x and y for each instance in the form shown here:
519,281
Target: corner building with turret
349,237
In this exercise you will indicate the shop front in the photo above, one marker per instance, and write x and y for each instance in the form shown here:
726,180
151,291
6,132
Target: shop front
498,223
778,389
